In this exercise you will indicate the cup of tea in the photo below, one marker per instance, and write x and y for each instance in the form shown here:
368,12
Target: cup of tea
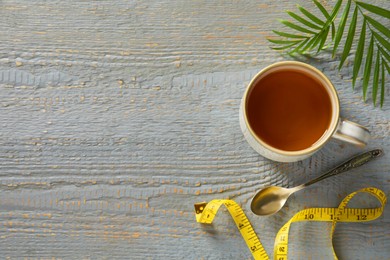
291,109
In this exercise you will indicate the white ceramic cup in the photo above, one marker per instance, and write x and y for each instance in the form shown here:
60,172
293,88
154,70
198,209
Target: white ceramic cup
339,128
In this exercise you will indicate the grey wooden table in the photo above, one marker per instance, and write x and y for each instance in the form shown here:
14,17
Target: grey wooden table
117,116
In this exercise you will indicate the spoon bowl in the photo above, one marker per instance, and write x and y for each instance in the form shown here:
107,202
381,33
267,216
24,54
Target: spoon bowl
271,199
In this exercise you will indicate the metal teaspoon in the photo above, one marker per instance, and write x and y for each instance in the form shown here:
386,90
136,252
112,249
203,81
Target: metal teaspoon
271,199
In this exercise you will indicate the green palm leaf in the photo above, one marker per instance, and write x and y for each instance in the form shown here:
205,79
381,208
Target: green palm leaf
333,31
310,15
383,83
283,41
359,54
378,26
296,27
382,41
310,32
335,11
340,29
384,53
303,21
375,81
367,68
309,44
387,67
324,36
350,36
289,35
375,9
322,9
285,46
298,48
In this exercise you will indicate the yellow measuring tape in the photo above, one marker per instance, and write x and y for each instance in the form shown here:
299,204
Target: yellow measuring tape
205,213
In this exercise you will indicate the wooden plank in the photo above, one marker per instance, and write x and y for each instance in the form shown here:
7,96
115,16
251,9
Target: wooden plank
116,117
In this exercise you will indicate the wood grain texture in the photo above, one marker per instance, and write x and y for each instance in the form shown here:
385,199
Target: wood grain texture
117,116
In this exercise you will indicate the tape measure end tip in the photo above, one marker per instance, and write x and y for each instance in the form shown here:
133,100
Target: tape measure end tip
199,207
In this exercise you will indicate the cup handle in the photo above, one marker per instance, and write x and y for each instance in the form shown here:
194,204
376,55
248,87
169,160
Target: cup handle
352,133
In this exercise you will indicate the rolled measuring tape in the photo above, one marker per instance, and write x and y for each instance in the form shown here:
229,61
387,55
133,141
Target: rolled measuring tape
206,212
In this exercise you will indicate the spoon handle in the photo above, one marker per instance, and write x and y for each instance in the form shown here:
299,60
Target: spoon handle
350,164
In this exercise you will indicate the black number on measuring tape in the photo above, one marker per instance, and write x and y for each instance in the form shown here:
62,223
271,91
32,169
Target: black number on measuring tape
253,248
362,217
309,216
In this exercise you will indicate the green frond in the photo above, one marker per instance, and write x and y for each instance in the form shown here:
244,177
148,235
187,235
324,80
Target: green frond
283,41
359,54
310,16
322,9
333,31
384,53
350,36
374,9
332,16
375,81
318,40
383,83
288,46
335,11
310,32
303,21
297,49
367,67
309,45
382,41
324,36
289,35
378,26
296,27
340,29
387,67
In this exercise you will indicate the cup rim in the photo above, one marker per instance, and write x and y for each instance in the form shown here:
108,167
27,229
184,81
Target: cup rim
335,106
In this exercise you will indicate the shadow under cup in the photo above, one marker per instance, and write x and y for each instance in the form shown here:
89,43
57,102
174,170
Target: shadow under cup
291,107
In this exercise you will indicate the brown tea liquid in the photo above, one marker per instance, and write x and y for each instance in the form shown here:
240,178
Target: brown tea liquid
289,110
